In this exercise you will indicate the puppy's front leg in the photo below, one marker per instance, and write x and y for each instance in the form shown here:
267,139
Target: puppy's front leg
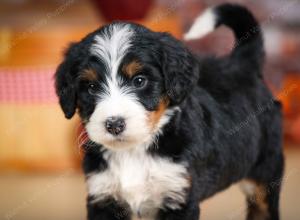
189,212
107,210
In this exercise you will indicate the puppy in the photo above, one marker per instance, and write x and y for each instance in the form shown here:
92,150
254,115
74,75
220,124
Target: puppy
168,129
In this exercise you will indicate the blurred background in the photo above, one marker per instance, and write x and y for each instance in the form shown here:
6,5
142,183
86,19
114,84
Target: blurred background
40,156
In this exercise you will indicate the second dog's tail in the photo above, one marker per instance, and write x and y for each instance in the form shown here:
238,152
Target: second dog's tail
249,40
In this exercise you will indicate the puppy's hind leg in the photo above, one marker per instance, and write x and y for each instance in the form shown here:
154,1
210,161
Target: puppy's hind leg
262,188
265,177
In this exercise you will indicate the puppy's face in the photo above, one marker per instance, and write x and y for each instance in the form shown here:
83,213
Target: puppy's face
126,81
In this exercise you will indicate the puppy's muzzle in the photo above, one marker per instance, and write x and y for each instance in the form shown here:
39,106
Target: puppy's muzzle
115,125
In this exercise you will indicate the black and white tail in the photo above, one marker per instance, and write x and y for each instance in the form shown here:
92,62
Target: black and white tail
248,34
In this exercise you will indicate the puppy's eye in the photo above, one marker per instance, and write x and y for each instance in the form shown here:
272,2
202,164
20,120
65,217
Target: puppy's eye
92,88
139,81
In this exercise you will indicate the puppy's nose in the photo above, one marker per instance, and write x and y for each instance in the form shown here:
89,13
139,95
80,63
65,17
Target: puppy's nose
115,125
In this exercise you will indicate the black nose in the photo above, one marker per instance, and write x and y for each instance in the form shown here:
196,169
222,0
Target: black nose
115,125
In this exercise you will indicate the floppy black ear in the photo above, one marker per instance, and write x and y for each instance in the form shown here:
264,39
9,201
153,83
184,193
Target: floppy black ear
180,69
65,85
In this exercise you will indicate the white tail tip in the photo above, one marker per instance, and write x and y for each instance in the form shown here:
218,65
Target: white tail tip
203,25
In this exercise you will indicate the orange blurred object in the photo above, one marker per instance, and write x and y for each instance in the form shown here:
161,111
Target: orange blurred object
290,95
290,98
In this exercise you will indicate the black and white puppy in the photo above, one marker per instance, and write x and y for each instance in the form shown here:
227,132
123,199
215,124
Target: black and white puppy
170,129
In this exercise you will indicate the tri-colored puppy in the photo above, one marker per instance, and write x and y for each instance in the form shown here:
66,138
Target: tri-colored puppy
169,129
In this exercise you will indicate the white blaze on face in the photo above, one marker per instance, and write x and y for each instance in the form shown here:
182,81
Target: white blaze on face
117,101
112,45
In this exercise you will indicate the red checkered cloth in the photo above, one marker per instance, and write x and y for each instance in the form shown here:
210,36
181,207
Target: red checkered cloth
27,85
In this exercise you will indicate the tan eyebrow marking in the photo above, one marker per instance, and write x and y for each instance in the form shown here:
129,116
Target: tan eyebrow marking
89,74
132,68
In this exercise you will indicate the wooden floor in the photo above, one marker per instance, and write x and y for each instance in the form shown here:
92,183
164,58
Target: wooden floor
62,197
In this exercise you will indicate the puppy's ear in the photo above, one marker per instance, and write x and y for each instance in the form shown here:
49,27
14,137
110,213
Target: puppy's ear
65,84
179,67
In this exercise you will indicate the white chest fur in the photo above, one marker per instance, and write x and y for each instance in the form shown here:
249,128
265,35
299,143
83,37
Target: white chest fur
141,180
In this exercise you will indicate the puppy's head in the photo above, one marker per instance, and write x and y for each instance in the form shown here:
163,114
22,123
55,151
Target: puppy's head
125,80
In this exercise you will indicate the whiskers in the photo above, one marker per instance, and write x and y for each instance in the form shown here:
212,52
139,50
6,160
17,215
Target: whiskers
83,141
155,141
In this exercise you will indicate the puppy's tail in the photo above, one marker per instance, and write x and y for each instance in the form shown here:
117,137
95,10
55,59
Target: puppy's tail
249,40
